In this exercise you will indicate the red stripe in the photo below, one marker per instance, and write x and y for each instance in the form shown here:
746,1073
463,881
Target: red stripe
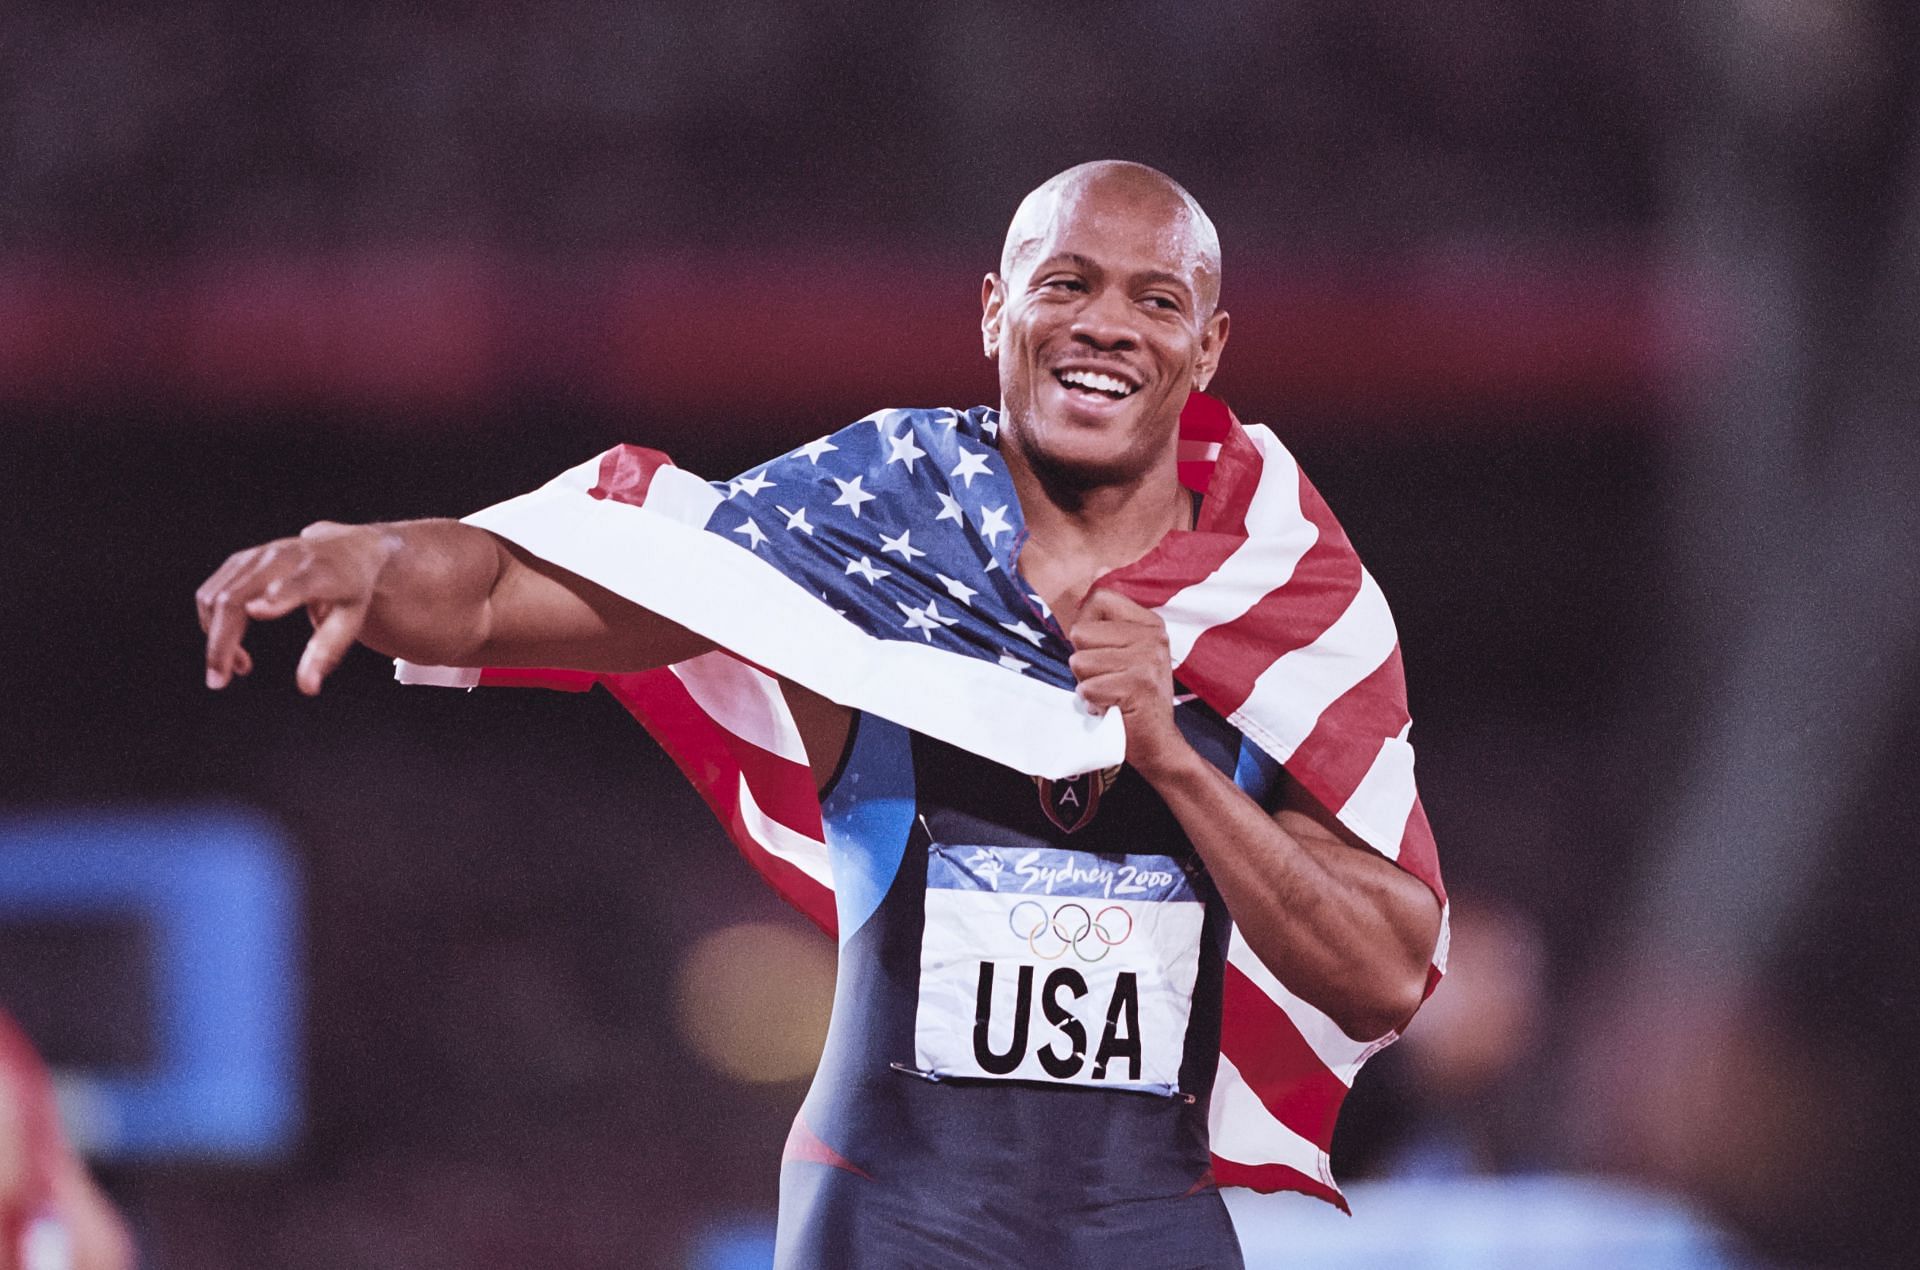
1349,733
625,473
1277,1063
529,677
1225,661
699,748
1183,558
1419,855
1276,1177
1205,420
783,788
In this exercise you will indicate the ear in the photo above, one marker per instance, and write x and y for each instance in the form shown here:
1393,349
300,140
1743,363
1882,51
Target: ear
1213,342
993,303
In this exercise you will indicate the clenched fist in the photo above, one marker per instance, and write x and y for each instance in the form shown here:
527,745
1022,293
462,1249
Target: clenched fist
1121,659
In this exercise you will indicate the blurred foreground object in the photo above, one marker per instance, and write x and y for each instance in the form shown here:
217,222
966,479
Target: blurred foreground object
154,954
52,1216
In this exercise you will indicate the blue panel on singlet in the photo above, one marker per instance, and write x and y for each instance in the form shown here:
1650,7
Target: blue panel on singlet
1257,773
868,814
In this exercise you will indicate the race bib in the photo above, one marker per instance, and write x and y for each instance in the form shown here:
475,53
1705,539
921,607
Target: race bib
1057,966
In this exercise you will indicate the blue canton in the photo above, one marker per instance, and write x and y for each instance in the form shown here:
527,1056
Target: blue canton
907,525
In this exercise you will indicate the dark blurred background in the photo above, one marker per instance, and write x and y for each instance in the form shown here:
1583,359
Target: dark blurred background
1596,324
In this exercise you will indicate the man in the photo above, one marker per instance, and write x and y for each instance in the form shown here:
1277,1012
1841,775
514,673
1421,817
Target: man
941,1131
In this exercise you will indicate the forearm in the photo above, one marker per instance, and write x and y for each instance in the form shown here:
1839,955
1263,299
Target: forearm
1342,927
432,594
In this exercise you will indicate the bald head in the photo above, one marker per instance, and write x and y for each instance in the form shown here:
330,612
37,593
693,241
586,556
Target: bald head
1108,186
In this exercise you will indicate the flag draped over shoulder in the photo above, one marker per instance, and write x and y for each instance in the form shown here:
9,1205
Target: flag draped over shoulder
877,567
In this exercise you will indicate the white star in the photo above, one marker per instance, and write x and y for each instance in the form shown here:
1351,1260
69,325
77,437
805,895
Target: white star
993,523
971,465
900,546
957,589
754,533
796,519
904,450
927,620
991,566
751,485
1044,610
990,426
864,567
815,448
949,508
851,495
1013,663
1024,631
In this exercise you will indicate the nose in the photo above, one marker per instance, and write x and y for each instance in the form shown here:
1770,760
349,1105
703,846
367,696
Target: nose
1107,321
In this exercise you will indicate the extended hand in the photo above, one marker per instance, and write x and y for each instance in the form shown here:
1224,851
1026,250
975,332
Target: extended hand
1121,659
330,570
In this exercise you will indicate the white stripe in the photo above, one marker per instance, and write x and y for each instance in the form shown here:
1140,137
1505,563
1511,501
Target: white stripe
678,493
1290,695
744,701
1198,451
1380,804
809,855
1242,1130
436,676
745,604
1340,1053
1278,535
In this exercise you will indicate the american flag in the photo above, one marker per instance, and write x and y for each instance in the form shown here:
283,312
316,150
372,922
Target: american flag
876,566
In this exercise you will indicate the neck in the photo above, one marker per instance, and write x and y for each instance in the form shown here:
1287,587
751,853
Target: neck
1080,528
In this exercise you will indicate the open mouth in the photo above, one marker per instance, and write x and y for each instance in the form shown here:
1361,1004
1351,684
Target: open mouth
1095,385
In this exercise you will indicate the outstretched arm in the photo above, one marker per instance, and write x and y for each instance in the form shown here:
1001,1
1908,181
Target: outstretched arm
432,591
1346,929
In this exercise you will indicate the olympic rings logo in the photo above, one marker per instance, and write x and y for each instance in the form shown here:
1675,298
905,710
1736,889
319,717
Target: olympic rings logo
1071,926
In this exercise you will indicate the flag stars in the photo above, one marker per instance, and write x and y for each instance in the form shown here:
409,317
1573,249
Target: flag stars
993,523
796,519
971,465
866,569
1044,610
750,485
900,546
927,620
957,589
754,534
851,495
904,450
1010,662
949,508
1024,631
815,448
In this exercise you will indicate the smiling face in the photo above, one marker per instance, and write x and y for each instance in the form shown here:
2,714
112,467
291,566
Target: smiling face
1103,318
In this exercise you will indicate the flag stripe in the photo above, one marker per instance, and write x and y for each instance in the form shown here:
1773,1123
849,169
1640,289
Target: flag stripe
1380,806
1245,1133
1340,749
1269,1053
664,707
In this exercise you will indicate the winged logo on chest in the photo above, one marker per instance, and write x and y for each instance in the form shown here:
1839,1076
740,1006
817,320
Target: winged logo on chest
1071,803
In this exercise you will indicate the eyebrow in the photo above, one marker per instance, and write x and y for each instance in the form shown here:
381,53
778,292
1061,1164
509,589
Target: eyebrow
1089,265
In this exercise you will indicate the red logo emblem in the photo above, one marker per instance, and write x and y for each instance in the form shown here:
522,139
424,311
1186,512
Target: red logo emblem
1070,803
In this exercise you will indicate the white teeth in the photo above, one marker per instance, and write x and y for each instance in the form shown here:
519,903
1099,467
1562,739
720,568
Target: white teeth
1095,380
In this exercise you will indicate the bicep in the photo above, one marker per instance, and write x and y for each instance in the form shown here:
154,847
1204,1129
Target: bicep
1410,905
539,614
